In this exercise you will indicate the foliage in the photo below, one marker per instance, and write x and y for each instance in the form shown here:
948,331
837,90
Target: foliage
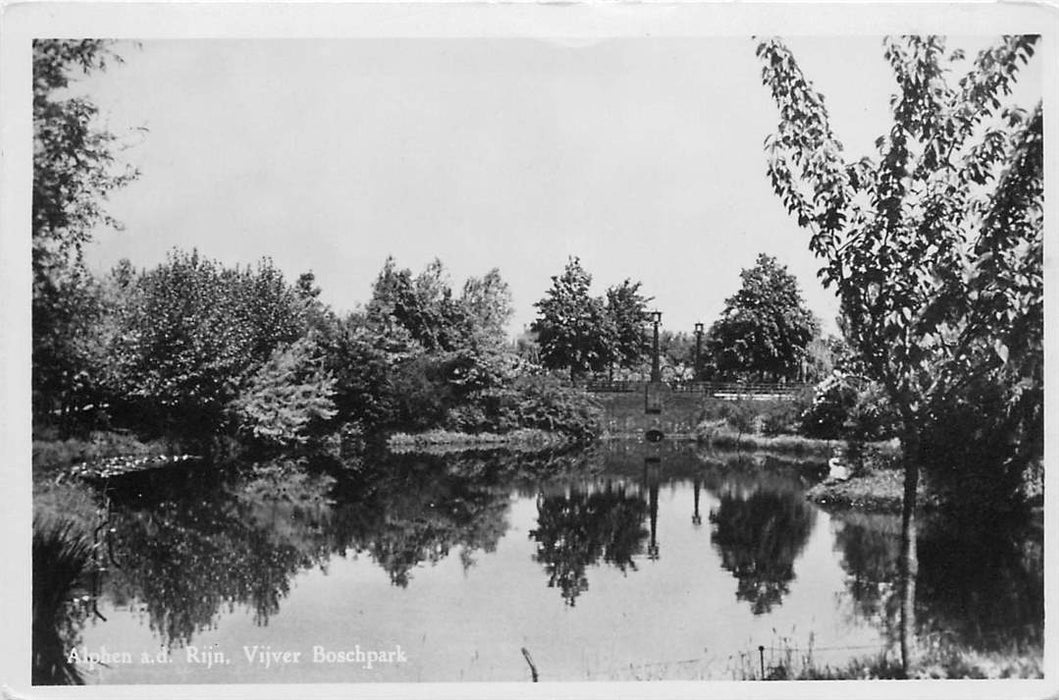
935,246
756,416
872,417
783,417
531,402
74,168
845,406
62,556
68,308
572,326
765,327
676,356
426,307
626,310
74,172
544,403
192,332
487,308
286,396
820,358
584,334
362,359
418,351
742,416
833,401
421,393
427,387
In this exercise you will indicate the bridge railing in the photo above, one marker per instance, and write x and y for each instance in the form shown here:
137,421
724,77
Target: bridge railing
726,389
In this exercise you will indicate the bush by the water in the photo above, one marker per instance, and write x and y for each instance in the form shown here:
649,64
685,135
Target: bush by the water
286,397
845,406
986,451
769,417
539,402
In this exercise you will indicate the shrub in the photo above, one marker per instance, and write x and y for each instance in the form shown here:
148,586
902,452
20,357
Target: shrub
742,416
183,336
468,418
420,394
833,400
545,403
285,397
872,416
784,417
845,406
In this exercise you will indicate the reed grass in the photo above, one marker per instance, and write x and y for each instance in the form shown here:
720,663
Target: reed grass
62,556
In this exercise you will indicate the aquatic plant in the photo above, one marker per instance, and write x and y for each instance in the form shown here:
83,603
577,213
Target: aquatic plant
61,558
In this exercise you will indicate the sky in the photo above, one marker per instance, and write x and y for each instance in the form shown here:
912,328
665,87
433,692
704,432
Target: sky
642,156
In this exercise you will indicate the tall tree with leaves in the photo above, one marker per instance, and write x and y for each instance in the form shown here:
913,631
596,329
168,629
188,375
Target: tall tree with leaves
626,309
486,304
573,328
765,327
935,249
74,171
423,304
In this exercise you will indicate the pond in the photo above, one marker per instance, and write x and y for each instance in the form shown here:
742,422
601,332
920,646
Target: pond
623,562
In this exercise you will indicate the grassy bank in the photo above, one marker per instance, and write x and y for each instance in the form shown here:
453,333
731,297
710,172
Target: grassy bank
454,441
720,435
876,484
52,455
879,491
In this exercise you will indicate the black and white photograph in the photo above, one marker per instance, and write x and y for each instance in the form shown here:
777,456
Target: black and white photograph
642,356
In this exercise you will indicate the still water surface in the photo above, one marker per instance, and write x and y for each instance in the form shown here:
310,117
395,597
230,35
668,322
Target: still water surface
626,562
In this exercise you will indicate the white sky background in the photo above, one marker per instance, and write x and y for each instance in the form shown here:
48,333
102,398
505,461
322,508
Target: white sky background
642,156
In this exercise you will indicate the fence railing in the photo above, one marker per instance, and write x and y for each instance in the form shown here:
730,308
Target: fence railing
725,389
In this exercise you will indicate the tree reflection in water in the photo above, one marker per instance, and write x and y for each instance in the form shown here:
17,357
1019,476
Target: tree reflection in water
760,528
418,512
192,546
871,550
189,546
581,527
980,584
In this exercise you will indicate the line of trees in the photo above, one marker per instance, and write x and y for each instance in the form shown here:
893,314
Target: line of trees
197,350
585,334
766,332
194,349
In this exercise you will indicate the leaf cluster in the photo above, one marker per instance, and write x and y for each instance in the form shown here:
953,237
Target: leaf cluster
935,244
582,333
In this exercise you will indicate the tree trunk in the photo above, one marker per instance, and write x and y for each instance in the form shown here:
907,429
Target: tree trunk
909,566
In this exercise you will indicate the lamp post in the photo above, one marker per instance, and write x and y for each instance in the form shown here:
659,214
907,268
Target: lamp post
656,371
698,350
